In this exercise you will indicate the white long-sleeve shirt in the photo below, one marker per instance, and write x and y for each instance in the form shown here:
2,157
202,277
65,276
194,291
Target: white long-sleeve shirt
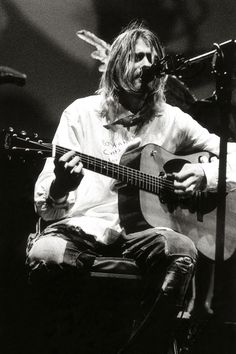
94,205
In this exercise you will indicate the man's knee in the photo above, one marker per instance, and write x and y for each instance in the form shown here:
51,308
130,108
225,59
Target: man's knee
47,250
179,245
172,245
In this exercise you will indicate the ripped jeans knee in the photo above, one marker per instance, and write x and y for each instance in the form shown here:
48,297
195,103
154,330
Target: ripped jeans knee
47,250
154,247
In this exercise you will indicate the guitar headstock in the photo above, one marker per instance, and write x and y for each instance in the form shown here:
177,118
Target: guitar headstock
21,144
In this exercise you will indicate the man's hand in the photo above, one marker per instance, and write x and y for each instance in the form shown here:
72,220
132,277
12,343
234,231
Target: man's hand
68,172
189,179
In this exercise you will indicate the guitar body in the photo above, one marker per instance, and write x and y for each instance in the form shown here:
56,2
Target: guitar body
194,217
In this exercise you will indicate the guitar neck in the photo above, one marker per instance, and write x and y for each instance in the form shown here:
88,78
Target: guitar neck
127,175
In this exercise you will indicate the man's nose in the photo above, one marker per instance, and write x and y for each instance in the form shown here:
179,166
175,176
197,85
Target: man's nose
146,62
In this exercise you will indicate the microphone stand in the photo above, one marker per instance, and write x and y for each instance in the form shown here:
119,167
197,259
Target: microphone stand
224,60
223,70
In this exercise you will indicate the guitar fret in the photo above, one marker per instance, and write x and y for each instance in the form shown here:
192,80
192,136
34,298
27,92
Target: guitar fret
136,179
88,163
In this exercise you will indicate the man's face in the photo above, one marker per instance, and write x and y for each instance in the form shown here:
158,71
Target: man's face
144,57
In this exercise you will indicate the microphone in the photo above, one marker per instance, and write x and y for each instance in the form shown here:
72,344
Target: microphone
170,64
9,75
148,73
176,64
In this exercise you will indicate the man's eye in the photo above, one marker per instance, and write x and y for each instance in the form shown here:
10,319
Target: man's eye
139,57
149,57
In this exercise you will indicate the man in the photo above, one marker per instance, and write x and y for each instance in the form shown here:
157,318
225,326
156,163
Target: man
82,205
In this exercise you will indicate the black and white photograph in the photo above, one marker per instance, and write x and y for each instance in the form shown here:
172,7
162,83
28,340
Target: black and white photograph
118,177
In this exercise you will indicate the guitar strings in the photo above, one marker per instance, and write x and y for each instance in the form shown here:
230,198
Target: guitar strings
125,174
128,174
143,180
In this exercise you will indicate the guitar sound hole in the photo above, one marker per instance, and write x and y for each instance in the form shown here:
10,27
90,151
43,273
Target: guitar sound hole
174,165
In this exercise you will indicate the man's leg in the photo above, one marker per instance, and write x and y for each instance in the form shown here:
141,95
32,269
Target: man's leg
61,247
167,259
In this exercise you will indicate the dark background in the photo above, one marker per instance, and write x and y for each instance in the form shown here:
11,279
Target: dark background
38,38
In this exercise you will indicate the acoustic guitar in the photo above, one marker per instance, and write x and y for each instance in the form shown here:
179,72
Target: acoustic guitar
146,197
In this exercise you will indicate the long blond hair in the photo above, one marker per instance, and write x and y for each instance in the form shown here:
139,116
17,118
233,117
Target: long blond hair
118,73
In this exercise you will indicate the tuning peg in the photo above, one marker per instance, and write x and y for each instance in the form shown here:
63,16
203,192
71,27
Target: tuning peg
35,135
23,133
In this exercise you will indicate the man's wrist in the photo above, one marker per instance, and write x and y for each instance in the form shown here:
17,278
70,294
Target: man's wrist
56,194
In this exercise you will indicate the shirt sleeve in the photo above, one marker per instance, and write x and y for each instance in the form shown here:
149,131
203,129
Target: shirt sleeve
212,170
195,136
68,137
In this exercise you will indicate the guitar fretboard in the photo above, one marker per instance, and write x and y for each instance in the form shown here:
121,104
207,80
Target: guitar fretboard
127,175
